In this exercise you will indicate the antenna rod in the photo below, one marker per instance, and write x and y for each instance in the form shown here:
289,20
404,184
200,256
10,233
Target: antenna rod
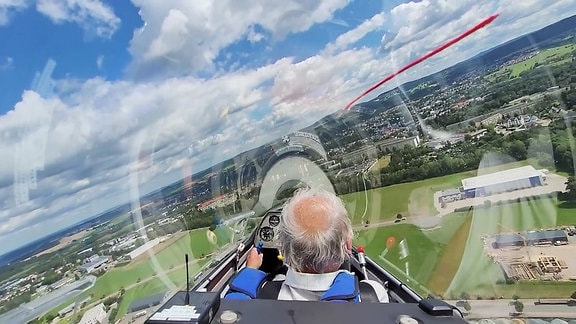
187,299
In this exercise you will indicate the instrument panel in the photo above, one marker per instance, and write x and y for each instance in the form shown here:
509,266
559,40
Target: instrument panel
268,229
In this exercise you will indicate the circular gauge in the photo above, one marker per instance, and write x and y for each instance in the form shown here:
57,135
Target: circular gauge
274,220
266,233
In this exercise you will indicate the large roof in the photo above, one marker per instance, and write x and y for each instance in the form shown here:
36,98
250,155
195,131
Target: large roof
495,178
95,263
146,302
530,237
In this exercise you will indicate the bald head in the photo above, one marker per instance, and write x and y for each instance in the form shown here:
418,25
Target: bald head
315,231
311,214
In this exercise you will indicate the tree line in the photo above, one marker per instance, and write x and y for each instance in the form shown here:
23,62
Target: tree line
549,146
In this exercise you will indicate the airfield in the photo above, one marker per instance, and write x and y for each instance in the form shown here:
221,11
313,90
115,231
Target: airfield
446,255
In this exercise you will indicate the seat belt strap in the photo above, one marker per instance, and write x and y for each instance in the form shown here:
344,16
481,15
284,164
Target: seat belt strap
270,290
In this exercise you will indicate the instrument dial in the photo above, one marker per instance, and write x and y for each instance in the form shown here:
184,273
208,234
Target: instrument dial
274,220
267,234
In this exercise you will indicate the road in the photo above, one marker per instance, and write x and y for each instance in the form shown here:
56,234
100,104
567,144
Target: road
502,308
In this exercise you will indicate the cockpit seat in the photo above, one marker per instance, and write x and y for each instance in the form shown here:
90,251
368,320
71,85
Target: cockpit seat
373,292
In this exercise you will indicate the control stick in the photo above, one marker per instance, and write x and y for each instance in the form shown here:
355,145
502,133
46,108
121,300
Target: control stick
362,260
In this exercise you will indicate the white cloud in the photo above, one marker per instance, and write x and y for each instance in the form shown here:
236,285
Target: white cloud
418,27
352,36
186,36
93,16
99,61
7,7
99,131
95,129
7,64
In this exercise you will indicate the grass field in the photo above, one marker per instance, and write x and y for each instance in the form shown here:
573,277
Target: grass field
156,286
533,289
449,261
196,244
552,56
566,213
544,57
422,251
410,199
424,246
442,248
386,202
450,224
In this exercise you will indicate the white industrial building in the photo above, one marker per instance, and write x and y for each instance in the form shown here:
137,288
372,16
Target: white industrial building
503,181
95,263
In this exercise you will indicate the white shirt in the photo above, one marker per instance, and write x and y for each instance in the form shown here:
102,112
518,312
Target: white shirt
311,286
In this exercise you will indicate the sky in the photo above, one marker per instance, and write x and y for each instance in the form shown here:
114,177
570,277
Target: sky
145,92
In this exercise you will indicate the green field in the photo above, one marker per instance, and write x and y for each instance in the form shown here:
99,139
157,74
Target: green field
422,252
386,202
438,262
552,56
424,247
534,289
431,263
449,261
450,224
409,199
566,213
195,243
156,286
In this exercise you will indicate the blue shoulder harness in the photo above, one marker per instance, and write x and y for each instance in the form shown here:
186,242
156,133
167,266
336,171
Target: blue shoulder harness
246,283
344,288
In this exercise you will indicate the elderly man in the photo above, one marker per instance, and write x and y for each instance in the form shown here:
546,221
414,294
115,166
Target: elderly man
316,239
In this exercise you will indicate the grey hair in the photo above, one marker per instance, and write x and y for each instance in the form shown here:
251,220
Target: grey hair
320,251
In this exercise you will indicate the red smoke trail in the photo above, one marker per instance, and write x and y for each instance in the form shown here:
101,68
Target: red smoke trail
426,56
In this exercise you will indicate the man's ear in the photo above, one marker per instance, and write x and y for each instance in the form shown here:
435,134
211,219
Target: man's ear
349,244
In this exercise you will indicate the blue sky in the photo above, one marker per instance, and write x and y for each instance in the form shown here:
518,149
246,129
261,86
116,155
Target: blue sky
31,38
148,90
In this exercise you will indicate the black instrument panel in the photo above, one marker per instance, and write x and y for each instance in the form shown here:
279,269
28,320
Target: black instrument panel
267,232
